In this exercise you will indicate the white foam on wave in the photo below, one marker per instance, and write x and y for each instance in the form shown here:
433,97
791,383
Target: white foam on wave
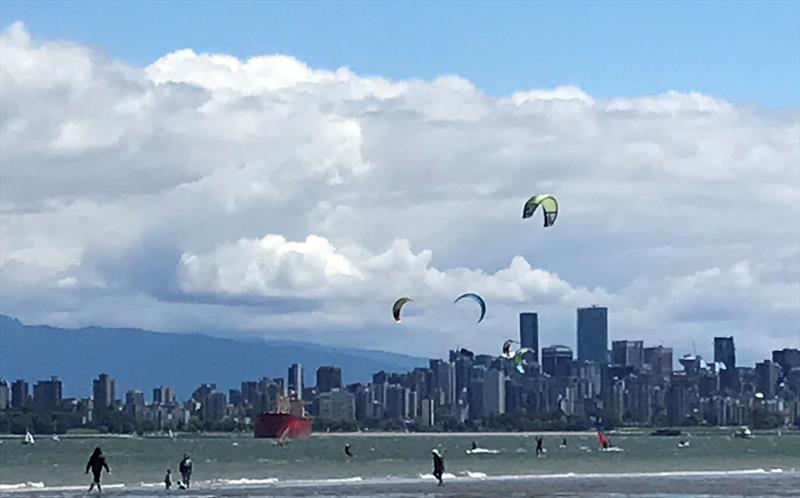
473,475
40,486
446,475
21,486
676,473
243,481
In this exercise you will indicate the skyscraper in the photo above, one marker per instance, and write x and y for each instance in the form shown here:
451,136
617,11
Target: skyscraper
767,375
328,378
725,352
593,334
5,395
47,394
19,394
556,360
134,398
494,392
295,381
163,395
103,389
628,353
529,332
659,361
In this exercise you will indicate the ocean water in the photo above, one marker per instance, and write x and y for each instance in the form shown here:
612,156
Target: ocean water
399,465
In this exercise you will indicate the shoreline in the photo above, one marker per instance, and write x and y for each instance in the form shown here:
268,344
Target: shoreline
624,431
754,482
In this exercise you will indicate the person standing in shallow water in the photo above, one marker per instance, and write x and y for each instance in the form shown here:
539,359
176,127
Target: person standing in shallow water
168,479
97,462
438,466
185,468
539,445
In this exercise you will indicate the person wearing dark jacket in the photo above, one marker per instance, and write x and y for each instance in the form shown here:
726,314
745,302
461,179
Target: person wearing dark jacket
185,468
438,466
168,480
347,451
97,462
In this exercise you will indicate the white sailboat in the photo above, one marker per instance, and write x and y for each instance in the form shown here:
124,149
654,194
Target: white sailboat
28,438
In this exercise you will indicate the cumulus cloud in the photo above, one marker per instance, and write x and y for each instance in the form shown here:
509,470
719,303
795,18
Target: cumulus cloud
264,196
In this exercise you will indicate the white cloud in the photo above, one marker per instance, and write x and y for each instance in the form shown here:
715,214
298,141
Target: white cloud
157,188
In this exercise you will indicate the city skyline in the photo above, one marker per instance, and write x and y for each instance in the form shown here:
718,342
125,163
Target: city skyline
551,359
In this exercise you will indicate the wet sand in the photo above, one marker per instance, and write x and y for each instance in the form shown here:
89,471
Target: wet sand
722,485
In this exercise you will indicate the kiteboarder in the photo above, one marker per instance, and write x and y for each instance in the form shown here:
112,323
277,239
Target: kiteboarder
563,442
539,447
185,468
97,462
438,466
474,445
347,451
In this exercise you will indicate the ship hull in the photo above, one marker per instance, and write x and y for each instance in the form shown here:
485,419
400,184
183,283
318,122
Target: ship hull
274,425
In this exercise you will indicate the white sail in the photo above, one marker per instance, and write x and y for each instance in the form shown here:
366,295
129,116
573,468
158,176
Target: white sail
28,438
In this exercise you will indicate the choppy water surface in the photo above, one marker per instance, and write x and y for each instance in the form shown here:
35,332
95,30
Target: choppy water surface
399,465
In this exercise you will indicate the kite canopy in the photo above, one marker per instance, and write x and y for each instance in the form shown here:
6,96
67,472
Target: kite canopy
507,348
398,305
549,207
478,299
519,359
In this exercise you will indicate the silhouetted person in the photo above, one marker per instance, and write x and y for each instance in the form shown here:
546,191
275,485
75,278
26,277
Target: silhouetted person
564,442
474,445
347,451
185,468
438,466
168,479
97,462
539,445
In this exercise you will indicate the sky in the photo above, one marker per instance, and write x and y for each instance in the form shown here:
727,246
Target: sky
288,171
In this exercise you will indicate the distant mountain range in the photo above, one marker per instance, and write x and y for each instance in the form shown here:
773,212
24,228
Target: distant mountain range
142,359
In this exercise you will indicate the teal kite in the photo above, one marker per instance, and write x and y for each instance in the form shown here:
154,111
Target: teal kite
478,299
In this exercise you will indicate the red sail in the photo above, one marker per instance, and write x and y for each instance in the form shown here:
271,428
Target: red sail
602,440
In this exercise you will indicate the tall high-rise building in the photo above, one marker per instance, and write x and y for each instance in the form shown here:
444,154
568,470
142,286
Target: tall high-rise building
47,394
328,378
444,379
593,334
529,332
20,394
462,363
477,376
295,381
725,352
5,395
104,388
494,392
163,395
767,375
659,360
628,353
214,407
336,404
134,398
787,358
556,361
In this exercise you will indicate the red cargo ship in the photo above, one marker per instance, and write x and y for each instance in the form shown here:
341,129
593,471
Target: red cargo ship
282,425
